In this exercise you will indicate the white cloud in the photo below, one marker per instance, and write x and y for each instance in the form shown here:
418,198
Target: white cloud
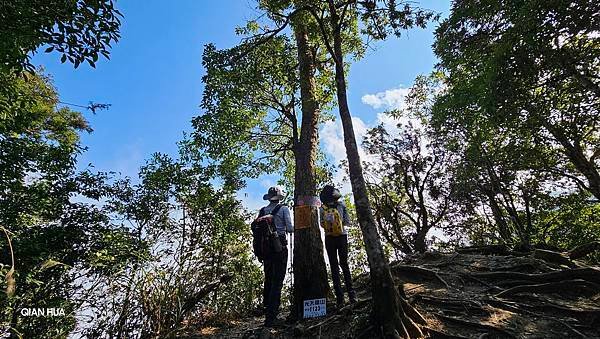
332,137
388,99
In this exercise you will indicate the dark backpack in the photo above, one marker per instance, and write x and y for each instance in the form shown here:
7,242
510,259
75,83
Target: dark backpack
265,240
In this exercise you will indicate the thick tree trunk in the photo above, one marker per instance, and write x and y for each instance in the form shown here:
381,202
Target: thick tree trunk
310,273
501,224
420,245
391,312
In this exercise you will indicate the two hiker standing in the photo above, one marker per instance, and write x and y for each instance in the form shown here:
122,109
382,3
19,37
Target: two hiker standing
270,245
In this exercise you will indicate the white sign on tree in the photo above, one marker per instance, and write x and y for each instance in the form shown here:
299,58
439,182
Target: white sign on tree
315,308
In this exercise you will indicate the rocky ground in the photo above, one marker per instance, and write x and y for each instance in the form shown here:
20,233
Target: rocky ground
474,293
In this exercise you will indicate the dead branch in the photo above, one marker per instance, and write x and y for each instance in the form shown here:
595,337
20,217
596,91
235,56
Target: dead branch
193,300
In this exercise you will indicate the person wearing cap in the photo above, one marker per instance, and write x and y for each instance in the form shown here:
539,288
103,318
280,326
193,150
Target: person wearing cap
335,219
275,265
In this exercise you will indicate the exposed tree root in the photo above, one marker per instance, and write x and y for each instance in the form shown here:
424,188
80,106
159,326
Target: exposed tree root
327,320
458,305
470,309
552,287
583,250
553,257
365,332
518,268
412,312
591,318
481,326
446,262
433,333
418,271
490,287
587,316
404,323
586,273
516,307
490,249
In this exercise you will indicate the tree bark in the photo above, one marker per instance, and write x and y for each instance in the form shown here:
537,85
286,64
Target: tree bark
390,310
310,273
501,224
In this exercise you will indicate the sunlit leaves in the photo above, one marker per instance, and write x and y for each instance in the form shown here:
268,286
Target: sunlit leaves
80,30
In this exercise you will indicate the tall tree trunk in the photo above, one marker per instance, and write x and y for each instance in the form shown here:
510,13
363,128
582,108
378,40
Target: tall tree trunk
390,309
310,274
420,245
501,224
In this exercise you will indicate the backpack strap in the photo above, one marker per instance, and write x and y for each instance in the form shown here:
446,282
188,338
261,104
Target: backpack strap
276,209
261,212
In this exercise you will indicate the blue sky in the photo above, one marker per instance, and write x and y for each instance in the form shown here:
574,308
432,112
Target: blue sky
153,80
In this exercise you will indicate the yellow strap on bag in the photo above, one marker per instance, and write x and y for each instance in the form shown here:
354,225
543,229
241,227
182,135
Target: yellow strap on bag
332,221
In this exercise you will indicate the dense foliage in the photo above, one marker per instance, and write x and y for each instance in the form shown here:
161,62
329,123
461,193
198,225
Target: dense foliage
55,235
79,30
522,110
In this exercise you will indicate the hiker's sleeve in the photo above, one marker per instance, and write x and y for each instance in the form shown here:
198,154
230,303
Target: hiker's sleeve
288,220
345,216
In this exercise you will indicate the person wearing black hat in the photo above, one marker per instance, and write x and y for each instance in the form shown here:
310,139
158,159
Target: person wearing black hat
334,219
276,263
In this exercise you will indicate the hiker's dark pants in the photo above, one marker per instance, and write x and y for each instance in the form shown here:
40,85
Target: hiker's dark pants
275,266
338,246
